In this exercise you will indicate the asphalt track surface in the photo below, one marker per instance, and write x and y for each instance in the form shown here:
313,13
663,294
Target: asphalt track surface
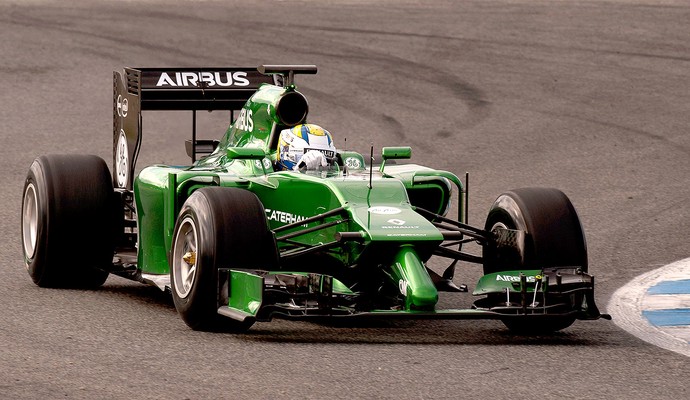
591,97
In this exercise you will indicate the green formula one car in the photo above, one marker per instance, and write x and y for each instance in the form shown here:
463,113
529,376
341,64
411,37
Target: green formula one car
237,239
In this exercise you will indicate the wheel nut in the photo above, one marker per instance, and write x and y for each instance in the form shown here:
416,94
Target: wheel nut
189,258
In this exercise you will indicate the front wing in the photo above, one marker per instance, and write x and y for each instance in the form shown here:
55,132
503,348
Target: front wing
262,296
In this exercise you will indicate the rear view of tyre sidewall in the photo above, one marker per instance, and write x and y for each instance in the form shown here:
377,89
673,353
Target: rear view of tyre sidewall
68,221
228,229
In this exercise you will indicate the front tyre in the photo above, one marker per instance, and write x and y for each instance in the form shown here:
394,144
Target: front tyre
217,228
555,238
67,221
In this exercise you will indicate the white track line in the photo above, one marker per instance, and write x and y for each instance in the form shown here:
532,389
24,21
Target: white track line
628,302
665,301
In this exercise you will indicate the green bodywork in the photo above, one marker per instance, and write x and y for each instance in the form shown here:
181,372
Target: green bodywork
379,204
352,240
246,292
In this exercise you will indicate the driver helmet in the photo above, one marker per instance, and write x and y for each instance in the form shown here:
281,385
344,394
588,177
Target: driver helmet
298,140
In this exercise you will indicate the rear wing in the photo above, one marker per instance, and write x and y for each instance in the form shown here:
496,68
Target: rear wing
139,89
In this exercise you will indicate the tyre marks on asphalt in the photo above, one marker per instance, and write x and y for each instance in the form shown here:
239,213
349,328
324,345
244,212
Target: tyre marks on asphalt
433,84
655,307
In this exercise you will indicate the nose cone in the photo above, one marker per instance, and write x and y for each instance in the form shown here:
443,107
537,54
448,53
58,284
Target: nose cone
413,280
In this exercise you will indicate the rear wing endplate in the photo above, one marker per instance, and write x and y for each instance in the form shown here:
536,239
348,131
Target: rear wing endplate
139,89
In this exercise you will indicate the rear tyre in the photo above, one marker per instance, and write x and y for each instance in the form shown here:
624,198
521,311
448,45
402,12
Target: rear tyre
68,221
217,227
555,238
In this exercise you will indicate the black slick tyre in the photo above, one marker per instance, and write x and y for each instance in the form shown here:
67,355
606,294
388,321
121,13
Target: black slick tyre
555,238
216,227
68,221
555,235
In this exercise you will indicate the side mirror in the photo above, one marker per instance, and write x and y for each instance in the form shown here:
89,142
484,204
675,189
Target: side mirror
246,153
392,153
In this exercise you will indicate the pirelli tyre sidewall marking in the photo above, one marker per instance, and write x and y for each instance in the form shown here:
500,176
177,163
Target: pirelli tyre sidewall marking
122,161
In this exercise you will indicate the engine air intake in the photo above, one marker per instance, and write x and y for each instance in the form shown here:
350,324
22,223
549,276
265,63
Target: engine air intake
292,108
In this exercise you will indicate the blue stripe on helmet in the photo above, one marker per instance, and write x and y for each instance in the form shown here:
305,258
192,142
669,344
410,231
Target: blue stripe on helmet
304,132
